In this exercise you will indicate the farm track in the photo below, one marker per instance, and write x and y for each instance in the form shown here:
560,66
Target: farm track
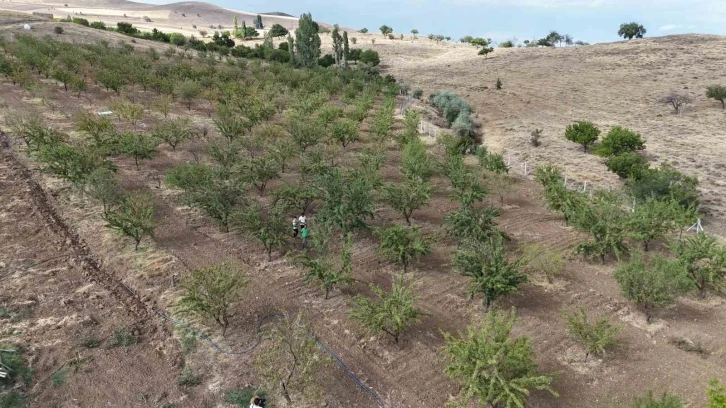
91,264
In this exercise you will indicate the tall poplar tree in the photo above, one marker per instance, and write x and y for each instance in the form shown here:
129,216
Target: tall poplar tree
307,41
346,49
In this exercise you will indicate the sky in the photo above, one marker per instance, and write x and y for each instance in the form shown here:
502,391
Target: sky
586,20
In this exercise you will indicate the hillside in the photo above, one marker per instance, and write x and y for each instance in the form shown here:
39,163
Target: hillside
174,17
608,84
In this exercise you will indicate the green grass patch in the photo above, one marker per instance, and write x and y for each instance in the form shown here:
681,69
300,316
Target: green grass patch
122,337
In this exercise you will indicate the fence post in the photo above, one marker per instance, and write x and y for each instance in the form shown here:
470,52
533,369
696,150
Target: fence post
525,169
565,181
509,159
584,187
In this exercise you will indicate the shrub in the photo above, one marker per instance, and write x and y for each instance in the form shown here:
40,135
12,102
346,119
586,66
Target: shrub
138,146
717,92
270,227
665,401
126,28
652,285
539,259
584,133
627,165
491,366
122,337
370,57
211,292
81,21
188,378
417,93
363,30
631,30
594,337
58,30
534,137
665,183
451,105
326,61
392,314
506,44
716,395
603,218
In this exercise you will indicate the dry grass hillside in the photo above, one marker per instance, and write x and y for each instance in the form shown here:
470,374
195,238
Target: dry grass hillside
179,17
609,84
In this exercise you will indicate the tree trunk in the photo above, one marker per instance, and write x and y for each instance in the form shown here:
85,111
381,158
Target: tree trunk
645,245
602,258
701,289
723,103
487,304
405,265
398,342
269,254
136,161
136,248
327,290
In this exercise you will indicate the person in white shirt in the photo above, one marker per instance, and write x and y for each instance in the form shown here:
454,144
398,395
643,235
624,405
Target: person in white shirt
302,220
294,227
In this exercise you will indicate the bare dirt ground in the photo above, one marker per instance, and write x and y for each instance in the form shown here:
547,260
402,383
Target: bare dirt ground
412,377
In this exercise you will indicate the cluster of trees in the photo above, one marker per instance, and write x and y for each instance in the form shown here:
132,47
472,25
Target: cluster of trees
483,43
662,201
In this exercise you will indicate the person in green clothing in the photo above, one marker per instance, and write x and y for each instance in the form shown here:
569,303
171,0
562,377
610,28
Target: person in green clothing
304,234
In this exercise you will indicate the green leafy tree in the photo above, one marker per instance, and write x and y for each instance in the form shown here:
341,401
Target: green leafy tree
665,183
472,223
346,49
212,292
259,171
402,244
111,79
269,226
606,222
278,31
298,196
493,367
584,133
133,217
347,198
620,140
138,146
414,32
209,190
489,270
292,362
385,30
174,131
408,197
717,92
652,285
716,395
370,57
322,271
411,120
548,174
416,162
665,401
102,186
651,221
631,30
705,261
188,91
627,165
72,164
392,313
305,132
63,76
345,132
594,337
307,42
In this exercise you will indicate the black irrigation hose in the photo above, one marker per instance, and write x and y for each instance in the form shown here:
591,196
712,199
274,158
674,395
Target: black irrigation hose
258,333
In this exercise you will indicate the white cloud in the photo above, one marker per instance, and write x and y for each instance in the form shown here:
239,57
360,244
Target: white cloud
668,27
